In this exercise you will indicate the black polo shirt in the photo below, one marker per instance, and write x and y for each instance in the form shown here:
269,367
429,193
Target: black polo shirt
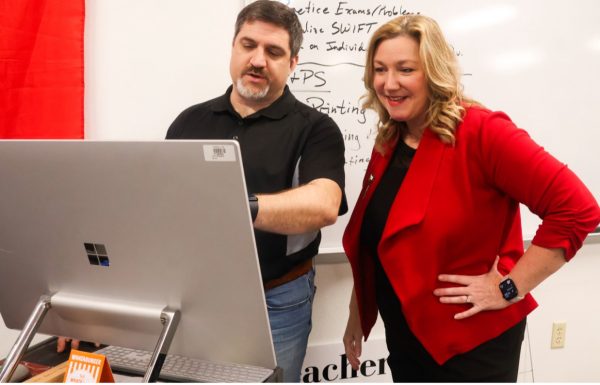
283,146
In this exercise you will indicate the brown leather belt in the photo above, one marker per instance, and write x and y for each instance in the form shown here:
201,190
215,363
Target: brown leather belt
297,271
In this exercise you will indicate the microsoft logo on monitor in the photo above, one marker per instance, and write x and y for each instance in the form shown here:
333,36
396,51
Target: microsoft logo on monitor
97,254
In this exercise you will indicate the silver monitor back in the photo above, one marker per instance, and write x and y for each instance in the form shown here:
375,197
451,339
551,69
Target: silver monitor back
115,228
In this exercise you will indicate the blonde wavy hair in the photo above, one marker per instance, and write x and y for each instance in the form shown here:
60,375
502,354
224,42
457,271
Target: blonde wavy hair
446,98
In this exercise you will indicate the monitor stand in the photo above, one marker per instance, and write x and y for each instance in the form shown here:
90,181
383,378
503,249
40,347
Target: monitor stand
169,318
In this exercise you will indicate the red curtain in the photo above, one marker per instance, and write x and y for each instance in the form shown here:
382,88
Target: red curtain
41,69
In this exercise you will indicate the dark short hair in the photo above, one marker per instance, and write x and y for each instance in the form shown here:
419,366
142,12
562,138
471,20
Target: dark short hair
276,13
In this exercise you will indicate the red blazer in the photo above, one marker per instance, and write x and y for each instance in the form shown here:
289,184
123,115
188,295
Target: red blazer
457,209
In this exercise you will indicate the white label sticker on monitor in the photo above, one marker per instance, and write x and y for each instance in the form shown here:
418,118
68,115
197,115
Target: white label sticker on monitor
219,153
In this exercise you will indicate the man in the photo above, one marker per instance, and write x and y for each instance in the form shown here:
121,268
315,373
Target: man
293,161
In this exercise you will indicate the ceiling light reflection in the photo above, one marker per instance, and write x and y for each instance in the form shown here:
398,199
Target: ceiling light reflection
594,44
516,61
485,17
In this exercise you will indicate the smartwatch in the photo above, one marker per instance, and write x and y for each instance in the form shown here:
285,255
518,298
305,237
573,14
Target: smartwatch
253,201
509,290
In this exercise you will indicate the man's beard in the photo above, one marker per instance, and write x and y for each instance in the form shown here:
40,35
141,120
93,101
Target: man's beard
251,93
248,93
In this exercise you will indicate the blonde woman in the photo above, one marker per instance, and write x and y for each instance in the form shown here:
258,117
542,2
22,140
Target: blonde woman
435,240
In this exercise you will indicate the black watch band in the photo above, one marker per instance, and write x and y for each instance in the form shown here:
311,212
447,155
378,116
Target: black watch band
253,201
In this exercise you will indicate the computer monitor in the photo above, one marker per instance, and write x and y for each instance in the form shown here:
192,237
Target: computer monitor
135,225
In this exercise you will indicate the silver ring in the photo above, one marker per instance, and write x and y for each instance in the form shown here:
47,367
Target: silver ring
468,300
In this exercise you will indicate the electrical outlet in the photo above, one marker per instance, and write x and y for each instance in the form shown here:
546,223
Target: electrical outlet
559,330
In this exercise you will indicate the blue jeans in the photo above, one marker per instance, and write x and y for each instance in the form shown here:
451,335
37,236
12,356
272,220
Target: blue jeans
290,311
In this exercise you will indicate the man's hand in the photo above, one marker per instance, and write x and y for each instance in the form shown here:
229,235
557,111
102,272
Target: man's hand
61,344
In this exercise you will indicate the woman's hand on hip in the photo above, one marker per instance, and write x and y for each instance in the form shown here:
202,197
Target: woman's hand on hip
481,291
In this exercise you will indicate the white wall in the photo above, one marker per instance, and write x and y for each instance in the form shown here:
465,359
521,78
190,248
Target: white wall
570,295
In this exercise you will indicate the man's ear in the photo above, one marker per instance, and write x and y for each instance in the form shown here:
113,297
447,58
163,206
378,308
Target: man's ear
293,63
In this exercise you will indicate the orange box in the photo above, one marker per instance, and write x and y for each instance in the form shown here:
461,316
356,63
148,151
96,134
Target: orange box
84,367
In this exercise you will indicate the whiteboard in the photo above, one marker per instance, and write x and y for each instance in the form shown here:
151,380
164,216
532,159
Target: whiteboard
539,61
536,60
148,60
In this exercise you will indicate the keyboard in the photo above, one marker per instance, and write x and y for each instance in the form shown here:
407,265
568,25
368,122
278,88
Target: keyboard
180,368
